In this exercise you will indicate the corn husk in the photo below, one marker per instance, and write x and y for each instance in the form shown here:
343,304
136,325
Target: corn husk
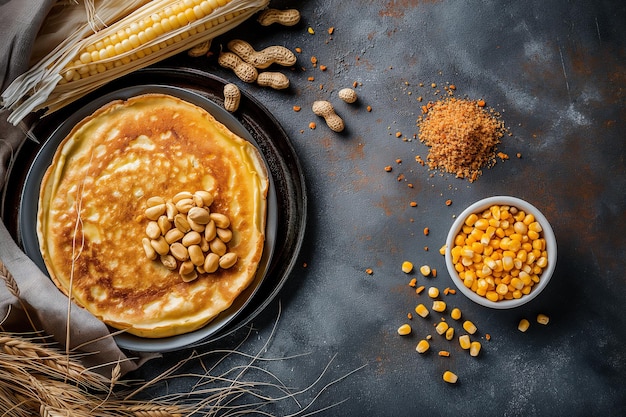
44,88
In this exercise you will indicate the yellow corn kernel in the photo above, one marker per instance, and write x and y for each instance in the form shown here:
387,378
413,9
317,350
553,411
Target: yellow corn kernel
433,292
444,353
450,333
442,250
492,296
543,319
422,346
464,341
439,306
523,325
425,270
455,313
404,330
450,377
469,327
421,310
407,267
475,348
471,219
419,289
442,327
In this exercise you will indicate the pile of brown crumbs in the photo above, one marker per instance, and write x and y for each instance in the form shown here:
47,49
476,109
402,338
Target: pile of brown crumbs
462,136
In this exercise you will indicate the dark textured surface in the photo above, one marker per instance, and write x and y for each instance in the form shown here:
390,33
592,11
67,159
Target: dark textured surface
556,71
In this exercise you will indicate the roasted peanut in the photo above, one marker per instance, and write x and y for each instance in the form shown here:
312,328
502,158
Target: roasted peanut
288,17
179,251
154,212
228,260
207,197
217,246
225,235
155,201
221,220
186,268
199,215
173,235
152,230
246,72
325,109
190,276
164,224
275,80
184,205
160,246
232,98
192,238
262,59
169,262
210,231
181,223
211,262
148,249
180,196
195,255
348,95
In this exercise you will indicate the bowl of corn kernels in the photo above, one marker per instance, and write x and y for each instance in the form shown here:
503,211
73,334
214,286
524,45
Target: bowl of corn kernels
501,252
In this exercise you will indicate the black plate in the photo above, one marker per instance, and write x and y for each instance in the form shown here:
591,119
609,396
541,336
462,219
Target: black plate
286,200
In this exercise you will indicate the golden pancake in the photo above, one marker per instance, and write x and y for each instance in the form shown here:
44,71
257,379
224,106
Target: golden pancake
102,196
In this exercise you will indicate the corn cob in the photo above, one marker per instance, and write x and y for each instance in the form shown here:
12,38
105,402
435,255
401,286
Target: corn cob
155,31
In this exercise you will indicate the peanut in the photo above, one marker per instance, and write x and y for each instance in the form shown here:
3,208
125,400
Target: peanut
169,262
228,260
275,80
325,109
200,49
262,59
288,17
348,95
246,72
232,98
197,244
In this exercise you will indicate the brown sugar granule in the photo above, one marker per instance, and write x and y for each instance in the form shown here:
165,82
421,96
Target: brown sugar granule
462,136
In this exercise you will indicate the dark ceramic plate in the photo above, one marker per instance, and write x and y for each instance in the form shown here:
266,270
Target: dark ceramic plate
286,198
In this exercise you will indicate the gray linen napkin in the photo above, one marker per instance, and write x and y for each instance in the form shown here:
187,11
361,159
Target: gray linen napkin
19,22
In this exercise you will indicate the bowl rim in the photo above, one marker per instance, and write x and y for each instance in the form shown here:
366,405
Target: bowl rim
548,235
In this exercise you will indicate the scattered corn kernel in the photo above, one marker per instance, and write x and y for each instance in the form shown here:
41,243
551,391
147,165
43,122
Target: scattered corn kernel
464,341
439,306
444,353
404,330
450,377
442,327
469,327
407,267
425,270
523,325
475,348
433,292
422,346
450,333
419,289
442,250
543,319
487,336
421,310
413,282
455,313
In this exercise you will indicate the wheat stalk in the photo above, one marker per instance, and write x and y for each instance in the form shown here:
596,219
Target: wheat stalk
14,289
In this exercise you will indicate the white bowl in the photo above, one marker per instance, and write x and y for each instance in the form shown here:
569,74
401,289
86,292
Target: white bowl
548,235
